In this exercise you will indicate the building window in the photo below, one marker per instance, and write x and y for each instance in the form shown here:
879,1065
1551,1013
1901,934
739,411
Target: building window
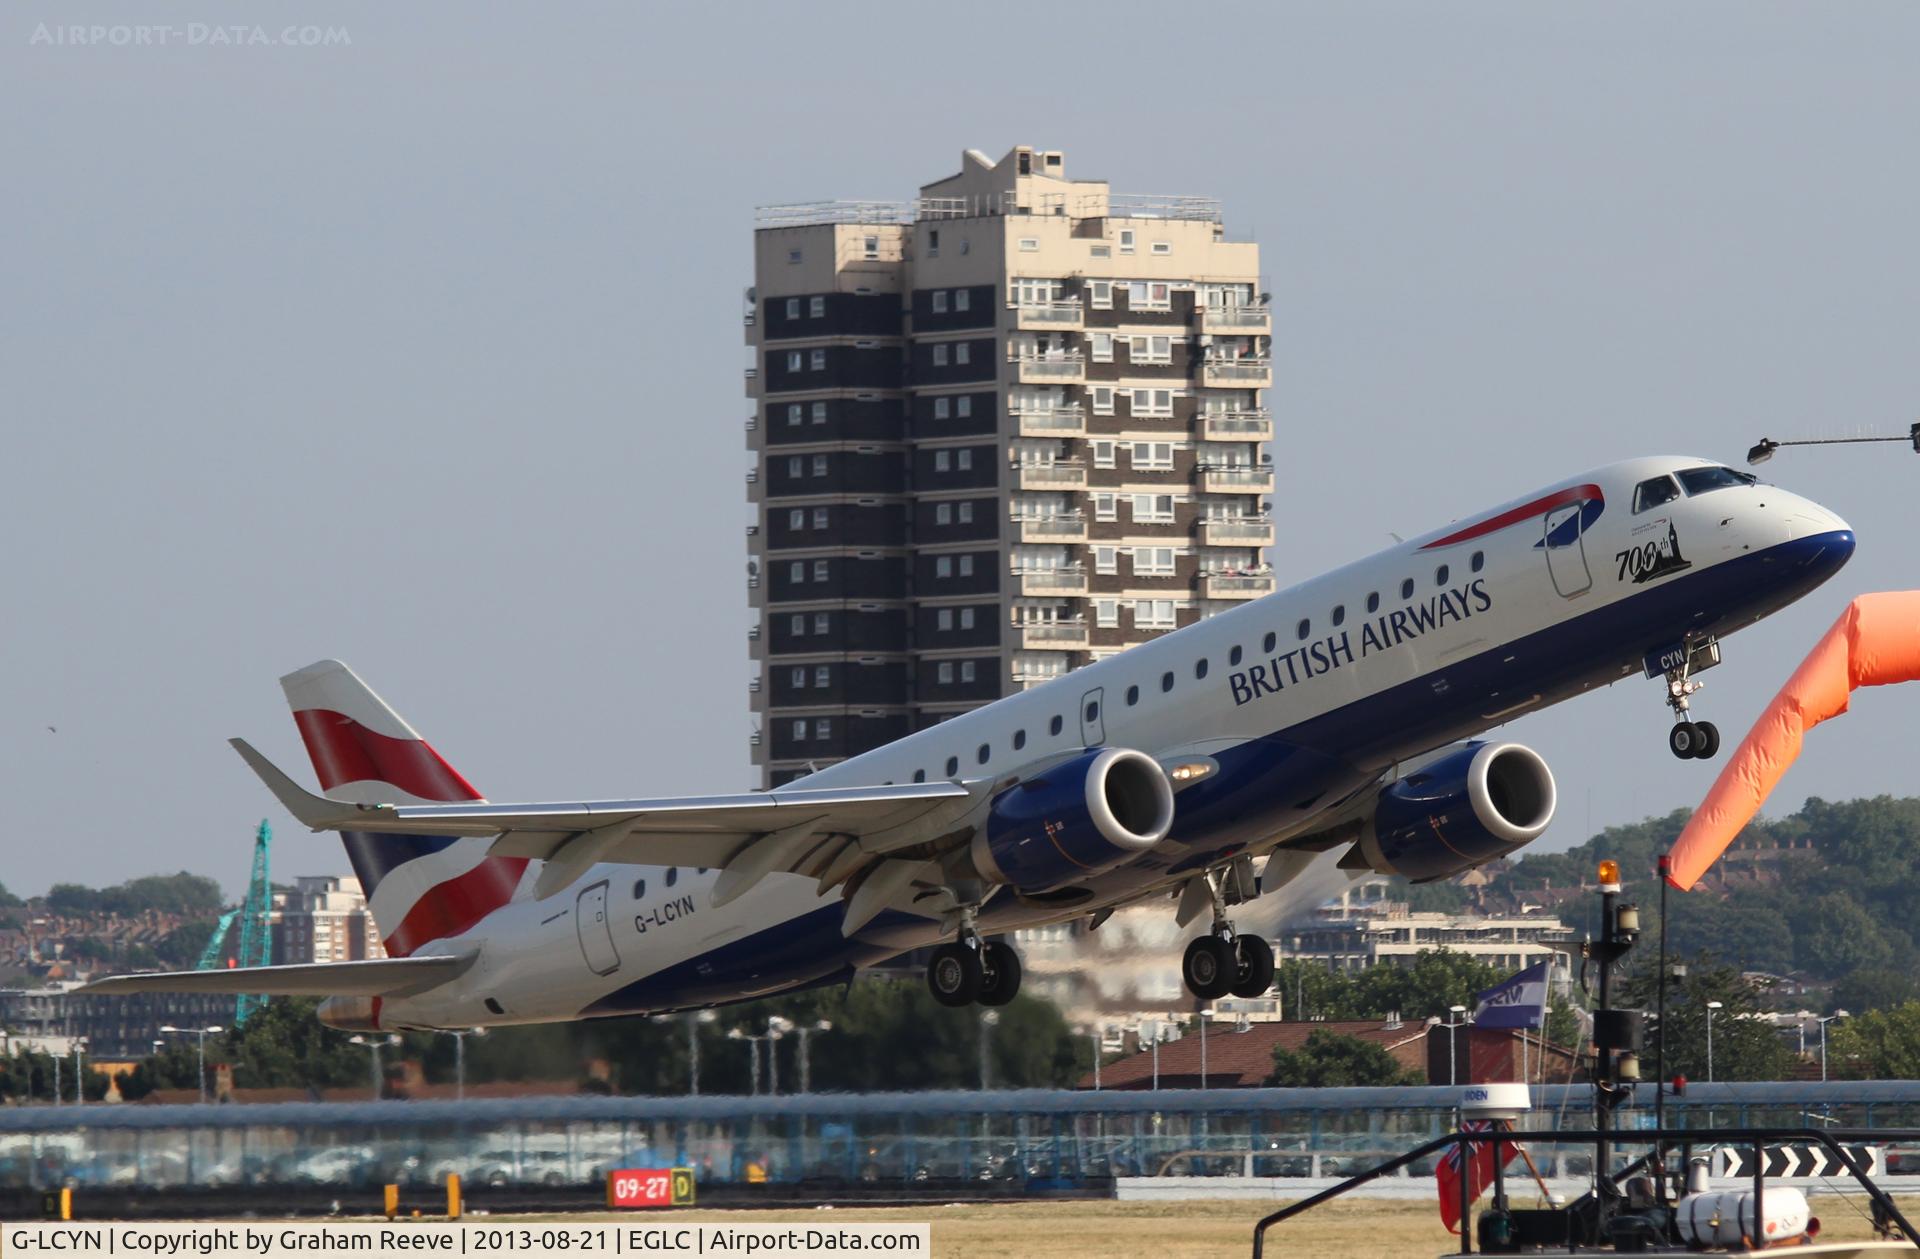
966,565
946,677
1100,294
940,354
943,619
819,465
1153,509
818,361
819,622
1103,399
1100,251
797,518
1153,561
941,460
800,731
963,406
795,413
943,566
1152,456
962,352
962,300
793,257
1157,402
820,518
795,361
1029,244
943,513
1106,613
797,571
822,675
873,248
820,570
939,301
963,459
965,515
823,727
819,413
933,248
1162,247
1153,614
1106,560
966,671
817,308
1103,451
1102,347
1126,240
794,464
940,408
1106,507
799,678
966,618
793,308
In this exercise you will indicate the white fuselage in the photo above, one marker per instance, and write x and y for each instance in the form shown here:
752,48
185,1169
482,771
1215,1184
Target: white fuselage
1303,697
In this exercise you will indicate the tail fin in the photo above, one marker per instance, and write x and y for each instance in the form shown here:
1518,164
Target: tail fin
418,887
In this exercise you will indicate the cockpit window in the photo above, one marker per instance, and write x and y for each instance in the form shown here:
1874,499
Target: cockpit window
1705,480
1650,494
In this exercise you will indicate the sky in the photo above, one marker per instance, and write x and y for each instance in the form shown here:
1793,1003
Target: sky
421,347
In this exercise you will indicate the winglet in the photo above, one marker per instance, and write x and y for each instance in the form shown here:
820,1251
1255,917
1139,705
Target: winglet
315,812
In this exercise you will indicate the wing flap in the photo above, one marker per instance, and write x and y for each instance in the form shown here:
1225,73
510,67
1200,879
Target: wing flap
376,977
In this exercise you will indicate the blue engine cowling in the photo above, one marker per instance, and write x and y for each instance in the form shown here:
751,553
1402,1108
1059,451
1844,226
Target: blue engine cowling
1074,820
1475,803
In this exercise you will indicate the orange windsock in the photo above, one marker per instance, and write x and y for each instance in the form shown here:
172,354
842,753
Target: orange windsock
1876,641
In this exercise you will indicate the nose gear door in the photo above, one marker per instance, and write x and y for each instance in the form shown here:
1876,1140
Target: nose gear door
1566,547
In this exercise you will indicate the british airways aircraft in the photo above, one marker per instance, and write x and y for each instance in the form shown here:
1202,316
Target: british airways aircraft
1204,768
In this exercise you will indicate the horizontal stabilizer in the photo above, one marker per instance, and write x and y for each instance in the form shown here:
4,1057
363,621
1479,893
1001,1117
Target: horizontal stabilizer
377,977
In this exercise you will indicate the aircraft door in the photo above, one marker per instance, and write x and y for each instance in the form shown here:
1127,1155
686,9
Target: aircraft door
1566,546
1093,721
596,930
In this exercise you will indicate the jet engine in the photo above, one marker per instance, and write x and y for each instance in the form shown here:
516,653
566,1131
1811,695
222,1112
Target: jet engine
1474,803
1071,821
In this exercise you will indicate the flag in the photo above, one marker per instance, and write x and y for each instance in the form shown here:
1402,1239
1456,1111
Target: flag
1518,1002
1446,1173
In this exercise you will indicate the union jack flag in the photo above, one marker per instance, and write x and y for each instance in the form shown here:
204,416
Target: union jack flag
1446,1173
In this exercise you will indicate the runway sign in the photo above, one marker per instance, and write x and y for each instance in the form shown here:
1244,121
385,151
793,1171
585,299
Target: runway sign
639,1188
1797,1162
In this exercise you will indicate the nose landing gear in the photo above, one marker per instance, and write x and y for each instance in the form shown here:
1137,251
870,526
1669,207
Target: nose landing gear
1690,739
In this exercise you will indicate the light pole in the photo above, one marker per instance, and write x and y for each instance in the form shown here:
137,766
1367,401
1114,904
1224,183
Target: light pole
460,1059
753,1048
373,1043
694,1019
1093,1034
987,1020
200,1034
777,1027
1837,1014
1454,1022
80,1071
1763,450
1206,1017
806,1067
1711,1007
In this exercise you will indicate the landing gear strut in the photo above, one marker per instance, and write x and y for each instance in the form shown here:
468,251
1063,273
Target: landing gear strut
970,969
1226,961
1689,739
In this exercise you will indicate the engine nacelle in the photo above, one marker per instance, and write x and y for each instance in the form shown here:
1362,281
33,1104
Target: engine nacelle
1074,820
1475,803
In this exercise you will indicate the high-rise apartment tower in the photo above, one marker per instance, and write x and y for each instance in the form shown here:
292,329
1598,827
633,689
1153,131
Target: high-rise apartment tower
1004,429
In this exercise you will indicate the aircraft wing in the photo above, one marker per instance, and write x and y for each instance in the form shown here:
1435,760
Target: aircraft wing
378,977
830,834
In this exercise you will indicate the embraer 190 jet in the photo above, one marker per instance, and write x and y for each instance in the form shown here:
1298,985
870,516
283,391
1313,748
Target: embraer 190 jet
1201,769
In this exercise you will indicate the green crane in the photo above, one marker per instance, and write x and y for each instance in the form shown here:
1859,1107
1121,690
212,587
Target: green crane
256,935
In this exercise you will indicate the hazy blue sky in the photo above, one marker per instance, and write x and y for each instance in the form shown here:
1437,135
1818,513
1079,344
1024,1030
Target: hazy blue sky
425,351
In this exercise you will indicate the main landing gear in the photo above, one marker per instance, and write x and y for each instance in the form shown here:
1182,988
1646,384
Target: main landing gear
969,969
1226,962
1691,740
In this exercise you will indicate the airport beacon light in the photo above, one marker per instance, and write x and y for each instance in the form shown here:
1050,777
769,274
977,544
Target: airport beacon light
1609,875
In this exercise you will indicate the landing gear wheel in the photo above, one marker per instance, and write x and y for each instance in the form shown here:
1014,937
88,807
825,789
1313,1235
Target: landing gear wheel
1707,735
1210,967
1683,739
1001,979
954,975
1255,970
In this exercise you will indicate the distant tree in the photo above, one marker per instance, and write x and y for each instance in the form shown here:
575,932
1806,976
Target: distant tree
1745,1047
1331,1060
1563,1025
1875,990
1877,1045
8,900
181,947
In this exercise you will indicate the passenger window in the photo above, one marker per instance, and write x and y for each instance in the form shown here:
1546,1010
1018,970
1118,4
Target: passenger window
1053,727
1233,657
985,751
1373,601
1166,681
673,875
919,775
1268,642
1339,613
1406,588
1200,667
1479,561
1305,628
1019,739
639,889
1651,493
1440,575
953,766
1093,711
1133,696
